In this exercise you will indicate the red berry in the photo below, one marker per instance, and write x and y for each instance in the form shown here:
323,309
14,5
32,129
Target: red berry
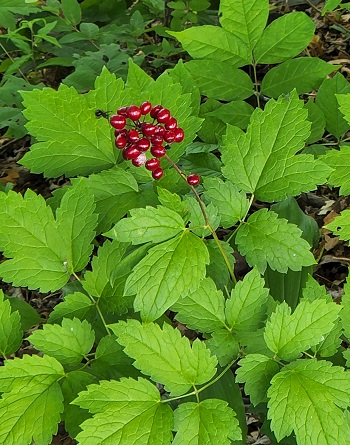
122,131
117,121
163,116
133,136
134,112
157,140
193,180
152,164
157,173
171,124
179,135
155,111
145,107
120,141
131,152
159,130
158,151
148,129
123,111
169,136
140,160
143,144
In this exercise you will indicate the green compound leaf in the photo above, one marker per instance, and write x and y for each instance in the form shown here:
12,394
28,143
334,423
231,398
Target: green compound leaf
175,264
304,74
341,225
266,239
217,268
245,19
327,100
256,372
284,38
247,306
263,161
171,200
32,401
165,356
288,335
306,397
10,328
339,161
74,305
99,281
68,343
231,203
318,122
220,80
209,422
198,224
214,43
43,251
86,145
76,222
127,412
203,309
148,225
115,192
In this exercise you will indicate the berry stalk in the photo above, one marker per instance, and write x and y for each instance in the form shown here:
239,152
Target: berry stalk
206,219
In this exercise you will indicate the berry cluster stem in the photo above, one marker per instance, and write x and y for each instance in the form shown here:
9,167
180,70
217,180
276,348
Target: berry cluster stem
206,219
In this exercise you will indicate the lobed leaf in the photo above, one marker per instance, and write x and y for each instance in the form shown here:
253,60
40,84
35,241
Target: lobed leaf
266,239
305,397
165,356
338,160
148,225
68,343
202,309
288,335
263,160
256,372
211,422
175,264
247,306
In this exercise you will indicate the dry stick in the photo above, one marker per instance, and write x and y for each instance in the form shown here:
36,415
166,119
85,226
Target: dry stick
344,30
206,219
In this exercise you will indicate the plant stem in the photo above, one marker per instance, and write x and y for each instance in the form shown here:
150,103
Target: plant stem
97,308
257,92
206,219
12,60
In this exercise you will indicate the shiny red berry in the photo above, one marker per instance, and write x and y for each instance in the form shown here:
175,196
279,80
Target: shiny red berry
152,164
179,135
158,151
123,111
131,152
157,173
120,141
117,121
148,129
134,113
145,107
169,136
193,180
140,160
143,144
157,140
133,136
159,131
163,116
155,111
171,124
122,131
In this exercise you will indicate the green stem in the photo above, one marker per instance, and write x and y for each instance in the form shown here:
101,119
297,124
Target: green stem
97,308
257,92
13,61
206,219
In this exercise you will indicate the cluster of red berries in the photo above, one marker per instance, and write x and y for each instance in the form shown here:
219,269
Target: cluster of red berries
135,136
